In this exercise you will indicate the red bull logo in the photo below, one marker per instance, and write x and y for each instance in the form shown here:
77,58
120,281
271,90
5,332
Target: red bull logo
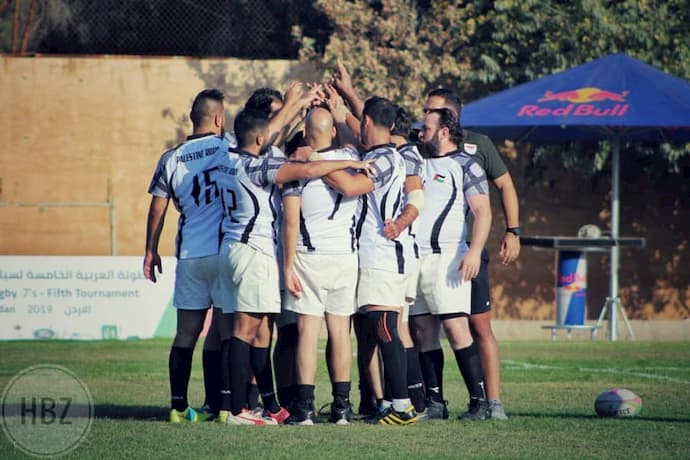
572,282
581,104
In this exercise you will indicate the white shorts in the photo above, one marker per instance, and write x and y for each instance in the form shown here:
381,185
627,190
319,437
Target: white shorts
247,280
329,284
441,291
411,280
194,282
381,288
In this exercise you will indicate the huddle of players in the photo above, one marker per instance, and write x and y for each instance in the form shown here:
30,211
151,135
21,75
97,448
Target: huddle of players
355,238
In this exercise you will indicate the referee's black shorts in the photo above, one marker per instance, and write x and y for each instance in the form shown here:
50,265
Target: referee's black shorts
481,297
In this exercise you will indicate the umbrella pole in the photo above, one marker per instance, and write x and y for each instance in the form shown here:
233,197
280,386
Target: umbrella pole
615,250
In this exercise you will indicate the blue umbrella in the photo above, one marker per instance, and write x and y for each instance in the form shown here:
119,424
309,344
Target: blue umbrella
615,98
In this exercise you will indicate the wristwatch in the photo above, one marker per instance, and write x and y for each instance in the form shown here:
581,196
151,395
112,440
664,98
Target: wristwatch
514,230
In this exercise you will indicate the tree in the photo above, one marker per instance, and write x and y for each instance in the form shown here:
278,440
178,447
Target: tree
401,49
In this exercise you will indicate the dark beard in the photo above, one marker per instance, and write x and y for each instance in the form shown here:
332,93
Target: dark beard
427,149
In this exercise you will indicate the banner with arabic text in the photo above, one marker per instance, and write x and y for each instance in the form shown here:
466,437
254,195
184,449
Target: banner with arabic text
54,297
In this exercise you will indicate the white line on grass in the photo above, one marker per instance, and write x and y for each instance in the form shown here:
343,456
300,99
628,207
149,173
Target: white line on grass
523,365
519,365
636,374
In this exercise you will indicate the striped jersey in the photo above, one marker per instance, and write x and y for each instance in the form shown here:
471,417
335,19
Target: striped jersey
327,218
414,166
448,181
250,199
184,175
383,203
272,151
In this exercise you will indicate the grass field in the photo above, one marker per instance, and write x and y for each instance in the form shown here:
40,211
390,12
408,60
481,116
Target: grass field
548,391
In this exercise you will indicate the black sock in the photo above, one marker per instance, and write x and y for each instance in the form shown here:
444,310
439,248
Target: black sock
431,363
284,364
329,364
439,363
286,395
366,397
180,368
212,377
385,324
387,395
252,396
241,373
305,393
261,365
415,386
225,371
341,390
470,364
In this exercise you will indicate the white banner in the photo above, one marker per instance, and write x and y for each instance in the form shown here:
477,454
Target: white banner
48,297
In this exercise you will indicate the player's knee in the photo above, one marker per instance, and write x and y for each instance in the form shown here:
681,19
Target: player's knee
338,327
185,339
287,337
190,323
245,332
212,342
385,324
457,329
481,327
425,332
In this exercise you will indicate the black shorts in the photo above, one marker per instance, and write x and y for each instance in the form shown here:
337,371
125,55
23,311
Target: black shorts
481,295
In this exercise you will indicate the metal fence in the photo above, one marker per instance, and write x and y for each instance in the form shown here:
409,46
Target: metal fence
238,28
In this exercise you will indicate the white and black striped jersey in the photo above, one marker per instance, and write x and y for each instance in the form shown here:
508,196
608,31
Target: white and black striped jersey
383,203
327,218
271,151
414,166
448,181
251,199
184,175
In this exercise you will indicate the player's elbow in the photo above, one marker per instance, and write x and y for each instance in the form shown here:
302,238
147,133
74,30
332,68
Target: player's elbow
349,191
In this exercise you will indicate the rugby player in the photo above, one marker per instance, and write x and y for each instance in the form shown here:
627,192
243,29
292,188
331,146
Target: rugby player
248,279
483,151
453,182
320,226
183,175
381,285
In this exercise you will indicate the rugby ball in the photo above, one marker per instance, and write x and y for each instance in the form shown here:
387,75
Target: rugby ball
618,402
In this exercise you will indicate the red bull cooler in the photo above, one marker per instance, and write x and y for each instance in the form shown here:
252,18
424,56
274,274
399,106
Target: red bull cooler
571,291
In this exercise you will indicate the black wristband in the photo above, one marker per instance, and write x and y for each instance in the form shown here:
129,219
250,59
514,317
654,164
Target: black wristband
514,230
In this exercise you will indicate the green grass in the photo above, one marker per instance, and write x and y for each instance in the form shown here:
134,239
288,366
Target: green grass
548,390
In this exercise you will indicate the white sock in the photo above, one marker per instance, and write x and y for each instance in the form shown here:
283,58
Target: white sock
399,405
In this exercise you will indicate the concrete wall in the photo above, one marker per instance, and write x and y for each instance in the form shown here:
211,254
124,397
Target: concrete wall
91,129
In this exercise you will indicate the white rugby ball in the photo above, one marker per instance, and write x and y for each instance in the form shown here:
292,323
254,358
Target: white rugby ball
618,402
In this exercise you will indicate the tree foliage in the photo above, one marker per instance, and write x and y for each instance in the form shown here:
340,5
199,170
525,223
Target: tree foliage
401,49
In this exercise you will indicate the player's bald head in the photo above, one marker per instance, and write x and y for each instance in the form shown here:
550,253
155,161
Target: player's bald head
207,104
319,120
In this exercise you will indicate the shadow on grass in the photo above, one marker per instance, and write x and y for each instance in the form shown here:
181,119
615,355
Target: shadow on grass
131,412
31,412
590,417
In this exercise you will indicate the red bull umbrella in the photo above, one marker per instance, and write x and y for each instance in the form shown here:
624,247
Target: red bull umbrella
613,95
615,98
